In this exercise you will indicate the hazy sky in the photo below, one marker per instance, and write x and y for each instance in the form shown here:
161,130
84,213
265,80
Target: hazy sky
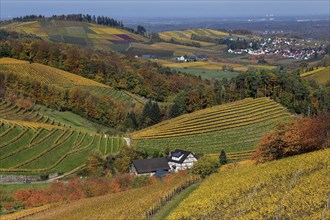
168,8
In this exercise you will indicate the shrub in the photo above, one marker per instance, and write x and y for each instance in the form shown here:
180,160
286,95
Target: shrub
205,166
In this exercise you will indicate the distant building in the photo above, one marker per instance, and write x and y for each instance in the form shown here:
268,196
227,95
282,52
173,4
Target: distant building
181,59
191,59
148,56
202,57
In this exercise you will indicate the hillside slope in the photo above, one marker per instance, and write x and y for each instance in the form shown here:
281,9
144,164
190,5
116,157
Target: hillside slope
235,127
50,75
291,188
39,148
76,32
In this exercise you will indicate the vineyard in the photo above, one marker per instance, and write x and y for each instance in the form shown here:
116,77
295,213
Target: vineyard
320,75
236,127
75,32
292,188
38,148
53,76
186,35
130,204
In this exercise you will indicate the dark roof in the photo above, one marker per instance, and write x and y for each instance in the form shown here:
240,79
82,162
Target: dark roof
151,165
178,153
148,56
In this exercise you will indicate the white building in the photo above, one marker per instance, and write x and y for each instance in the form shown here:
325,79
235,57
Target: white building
181,160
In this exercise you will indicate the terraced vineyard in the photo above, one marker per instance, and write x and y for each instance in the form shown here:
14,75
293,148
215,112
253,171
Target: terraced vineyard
236,127
34,148
50,75
9,111
291,188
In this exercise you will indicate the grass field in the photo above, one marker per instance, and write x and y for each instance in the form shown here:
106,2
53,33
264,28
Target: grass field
320,75
291,188
236,127
208,73
50,75
174,202
212,69
75,32
12,188
43,150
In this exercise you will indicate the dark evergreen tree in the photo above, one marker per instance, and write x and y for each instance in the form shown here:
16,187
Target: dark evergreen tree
174,111
140,30
155,114
223,157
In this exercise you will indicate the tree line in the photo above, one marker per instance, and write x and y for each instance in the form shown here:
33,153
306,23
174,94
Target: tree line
101,20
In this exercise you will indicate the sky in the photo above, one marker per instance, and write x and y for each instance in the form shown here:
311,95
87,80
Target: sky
166,8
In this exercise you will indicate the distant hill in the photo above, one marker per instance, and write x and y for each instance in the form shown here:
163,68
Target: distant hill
236,127
292,188
320,75
76,32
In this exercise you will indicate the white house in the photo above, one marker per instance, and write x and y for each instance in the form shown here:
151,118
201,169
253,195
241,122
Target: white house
181,59
175,161
181,160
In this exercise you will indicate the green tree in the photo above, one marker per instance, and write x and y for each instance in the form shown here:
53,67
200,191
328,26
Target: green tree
95,164
205,166
140,30
150,115
223,157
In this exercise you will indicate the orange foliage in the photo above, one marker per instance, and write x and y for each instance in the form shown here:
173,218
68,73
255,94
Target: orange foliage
295,137
115,186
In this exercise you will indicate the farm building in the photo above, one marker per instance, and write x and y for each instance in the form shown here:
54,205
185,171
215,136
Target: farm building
181,160
175,161
150,166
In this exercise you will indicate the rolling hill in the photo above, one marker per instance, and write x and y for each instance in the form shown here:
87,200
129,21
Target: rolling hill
50,75
291,188
320,75
76,32
185,36
236,127
39,148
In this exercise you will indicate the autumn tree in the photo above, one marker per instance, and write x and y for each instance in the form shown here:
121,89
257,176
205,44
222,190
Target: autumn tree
95,163
300,135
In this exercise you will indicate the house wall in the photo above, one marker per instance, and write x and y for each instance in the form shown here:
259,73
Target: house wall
187,163
133,170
